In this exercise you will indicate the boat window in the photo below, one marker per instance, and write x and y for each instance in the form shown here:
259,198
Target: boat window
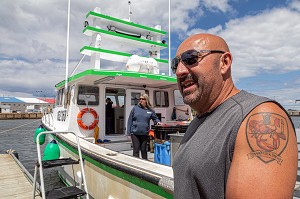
161,99
68,97
59,97
118,101
113,99
135,98
178,100
88,95
121,100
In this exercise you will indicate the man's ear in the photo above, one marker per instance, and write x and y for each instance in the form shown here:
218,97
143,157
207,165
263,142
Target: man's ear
225,62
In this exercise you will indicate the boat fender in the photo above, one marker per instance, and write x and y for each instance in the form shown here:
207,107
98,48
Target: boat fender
39,130
51,151
80,122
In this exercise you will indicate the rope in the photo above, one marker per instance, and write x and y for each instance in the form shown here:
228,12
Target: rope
19,126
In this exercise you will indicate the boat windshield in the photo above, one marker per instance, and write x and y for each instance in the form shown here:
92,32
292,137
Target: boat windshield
88,95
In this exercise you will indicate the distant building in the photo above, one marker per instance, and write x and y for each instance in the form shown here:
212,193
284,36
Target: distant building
23,105
293,112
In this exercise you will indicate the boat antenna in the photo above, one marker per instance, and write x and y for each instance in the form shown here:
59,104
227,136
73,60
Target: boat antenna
130,13
67,53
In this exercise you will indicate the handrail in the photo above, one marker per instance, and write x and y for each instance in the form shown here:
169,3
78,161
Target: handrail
40,160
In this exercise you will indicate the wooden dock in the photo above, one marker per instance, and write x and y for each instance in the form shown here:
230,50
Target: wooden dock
13,182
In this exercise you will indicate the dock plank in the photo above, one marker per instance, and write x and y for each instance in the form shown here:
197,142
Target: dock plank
13,182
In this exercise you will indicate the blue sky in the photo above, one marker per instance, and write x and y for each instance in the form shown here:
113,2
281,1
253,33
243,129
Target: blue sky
263,36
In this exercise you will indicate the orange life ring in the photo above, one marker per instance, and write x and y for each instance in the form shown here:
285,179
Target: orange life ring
80,122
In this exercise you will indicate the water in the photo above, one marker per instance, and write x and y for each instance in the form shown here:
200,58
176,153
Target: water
296,121
19,136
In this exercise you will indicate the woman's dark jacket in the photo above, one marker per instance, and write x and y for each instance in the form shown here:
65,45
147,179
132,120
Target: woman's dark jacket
139,120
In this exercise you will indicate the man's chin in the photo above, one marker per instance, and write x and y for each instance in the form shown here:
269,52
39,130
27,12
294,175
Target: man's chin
189,100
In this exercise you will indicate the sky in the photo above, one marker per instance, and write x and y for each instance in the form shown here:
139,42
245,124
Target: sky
263,37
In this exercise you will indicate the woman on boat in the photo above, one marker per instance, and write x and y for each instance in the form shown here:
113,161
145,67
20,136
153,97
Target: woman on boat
139,124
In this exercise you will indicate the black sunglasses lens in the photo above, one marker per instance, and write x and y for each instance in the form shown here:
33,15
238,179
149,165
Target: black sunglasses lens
189,57
174,64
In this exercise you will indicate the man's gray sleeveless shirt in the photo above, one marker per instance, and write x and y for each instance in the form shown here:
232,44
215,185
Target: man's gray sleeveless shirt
201,164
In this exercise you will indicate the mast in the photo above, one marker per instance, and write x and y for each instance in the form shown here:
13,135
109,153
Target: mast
67,53
169,37
129,11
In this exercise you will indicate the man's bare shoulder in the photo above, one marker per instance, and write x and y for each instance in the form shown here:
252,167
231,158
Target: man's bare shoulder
265,156
268,131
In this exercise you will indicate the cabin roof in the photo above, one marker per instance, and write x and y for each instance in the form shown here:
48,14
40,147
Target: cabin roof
123,78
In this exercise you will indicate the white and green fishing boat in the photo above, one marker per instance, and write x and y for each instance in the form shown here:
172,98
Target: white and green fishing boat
110,169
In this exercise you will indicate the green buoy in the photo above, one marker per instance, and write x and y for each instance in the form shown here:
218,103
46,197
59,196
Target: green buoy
39,130
51,151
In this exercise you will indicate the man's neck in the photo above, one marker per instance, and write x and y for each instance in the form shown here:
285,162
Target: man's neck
226,93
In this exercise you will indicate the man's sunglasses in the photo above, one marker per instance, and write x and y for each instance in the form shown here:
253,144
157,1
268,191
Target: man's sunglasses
191,57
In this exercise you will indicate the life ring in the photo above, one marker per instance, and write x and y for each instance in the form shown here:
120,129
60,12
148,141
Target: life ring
80,122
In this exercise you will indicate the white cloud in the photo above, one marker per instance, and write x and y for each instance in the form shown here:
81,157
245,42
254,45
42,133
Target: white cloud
295,4
33,51
265,42
183,15
24,77
33,44
286,97
218,5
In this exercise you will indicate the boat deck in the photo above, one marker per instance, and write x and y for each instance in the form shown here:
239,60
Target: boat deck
297,185
129,152
13,182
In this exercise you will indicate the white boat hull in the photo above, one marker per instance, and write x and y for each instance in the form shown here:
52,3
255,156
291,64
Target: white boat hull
115,175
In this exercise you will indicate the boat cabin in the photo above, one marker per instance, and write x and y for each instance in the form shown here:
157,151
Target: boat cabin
90,93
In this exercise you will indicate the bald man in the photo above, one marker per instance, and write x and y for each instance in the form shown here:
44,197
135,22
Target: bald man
240,145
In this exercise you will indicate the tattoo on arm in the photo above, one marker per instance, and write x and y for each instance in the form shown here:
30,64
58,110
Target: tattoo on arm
267,135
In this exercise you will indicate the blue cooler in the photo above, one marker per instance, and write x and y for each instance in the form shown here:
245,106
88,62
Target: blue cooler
162,153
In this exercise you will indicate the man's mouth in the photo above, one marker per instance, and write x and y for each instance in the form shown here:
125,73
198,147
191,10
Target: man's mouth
187,82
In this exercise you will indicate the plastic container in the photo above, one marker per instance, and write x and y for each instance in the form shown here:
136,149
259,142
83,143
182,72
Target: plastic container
162,153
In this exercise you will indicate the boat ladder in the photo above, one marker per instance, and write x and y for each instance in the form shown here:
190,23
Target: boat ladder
63,192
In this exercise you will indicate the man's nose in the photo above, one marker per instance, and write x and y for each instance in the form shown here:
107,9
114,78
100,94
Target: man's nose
181,69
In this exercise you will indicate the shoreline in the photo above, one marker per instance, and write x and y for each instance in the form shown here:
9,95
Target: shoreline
11,116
